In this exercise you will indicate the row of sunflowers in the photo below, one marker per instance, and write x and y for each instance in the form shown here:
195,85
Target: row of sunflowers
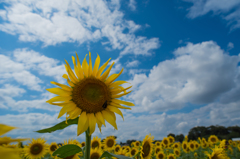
213,148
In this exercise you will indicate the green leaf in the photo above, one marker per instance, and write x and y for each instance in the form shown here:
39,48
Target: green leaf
59,126
110,155
67,150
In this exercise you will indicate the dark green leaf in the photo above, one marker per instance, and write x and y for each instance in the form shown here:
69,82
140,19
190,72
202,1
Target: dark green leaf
59,126
110,155
67,150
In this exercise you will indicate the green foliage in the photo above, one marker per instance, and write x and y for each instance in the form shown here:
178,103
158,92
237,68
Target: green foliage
110,155
67,150
59,126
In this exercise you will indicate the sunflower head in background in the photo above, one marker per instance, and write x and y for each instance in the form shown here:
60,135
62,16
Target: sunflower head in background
92,94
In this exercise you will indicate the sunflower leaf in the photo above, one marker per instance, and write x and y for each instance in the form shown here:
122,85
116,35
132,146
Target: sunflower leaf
59,126
110,155
67,150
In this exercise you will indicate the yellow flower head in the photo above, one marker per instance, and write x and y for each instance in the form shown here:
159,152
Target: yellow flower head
91,95
147,147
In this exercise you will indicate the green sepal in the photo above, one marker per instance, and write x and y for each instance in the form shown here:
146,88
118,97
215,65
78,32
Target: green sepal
67,150
59,126
110,155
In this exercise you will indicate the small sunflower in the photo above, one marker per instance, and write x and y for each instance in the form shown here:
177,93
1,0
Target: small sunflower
53,147
91,95
83,143
133,151
117,148
171,156
176,152
36,149
176,145
165,142
147,147
123,152
96,142
213,139
95,153
192,146
185,146
160,155
157,143
171,139
128,148
137,143
197,145
157,149
109,143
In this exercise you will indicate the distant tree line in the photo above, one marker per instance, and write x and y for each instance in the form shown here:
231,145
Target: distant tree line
204,132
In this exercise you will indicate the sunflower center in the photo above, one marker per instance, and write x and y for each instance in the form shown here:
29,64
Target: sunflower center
83,144
36,149
133,152
91,94
137,143
176,152
95,144
213,139
160,156
53,147
146,149
110,143
192,146
95,156
117,149
171,157
157,150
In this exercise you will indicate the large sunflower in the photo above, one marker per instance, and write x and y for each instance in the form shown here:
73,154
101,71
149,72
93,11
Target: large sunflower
36,149
90,94
109,143
96,142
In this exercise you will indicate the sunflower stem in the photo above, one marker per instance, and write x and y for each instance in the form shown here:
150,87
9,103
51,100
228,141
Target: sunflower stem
88,145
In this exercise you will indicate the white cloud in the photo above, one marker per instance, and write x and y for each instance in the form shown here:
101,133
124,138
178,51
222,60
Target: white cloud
133,63
229,9
200,74
132,4
230,45
54,22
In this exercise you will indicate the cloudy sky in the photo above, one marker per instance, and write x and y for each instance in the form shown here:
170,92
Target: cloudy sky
181,56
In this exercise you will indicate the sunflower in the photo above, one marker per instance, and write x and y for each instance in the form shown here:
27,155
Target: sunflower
96,142
176,145
117,148
91,95
185,146
157,143
192,146
157,149
83,143
213,139
109,143
123,152
171,139
128,148
197,145
133,151
218,153
147,147
160,155
137,143
176,152
53,146
95,153
165,142
36,149
171,156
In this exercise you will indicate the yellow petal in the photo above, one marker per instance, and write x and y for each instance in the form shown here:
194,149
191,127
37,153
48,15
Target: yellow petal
82,123
100,118
117,101
117,83
65,76
66,108
119,90
92,123
70,73
85,67
5,128
59,99
80,70
120,95
76,112
59,91
90,65
75,68
102,68
59,104
64,87
96,65
119,106
116,110
106,73
113,77
99,125
110,118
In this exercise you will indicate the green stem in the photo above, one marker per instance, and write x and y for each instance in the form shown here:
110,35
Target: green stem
88,145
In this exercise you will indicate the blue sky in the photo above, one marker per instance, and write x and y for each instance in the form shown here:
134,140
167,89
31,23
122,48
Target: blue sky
181,56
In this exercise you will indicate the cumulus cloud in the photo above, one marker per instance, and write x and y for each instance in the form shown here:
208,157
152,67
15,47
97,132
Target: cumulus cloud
200,74
228,9
54,22
132,4
133,63
230,46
